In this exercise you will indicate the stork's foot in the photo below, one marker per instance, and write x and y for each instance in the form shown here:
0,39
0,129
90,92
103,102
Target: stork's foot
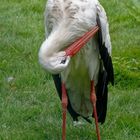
78,123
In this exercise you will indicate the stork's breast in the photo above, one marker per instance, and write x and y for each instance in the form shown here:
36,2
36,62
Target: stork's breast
83,67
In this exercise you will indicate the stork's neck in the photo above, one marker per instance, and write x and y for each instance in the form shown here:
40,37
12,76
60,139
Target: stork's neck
52,45
57,41
62,36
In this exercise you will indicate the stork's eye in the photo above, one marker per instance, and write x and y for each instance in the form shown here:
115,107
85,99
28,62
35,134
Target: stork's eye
63,61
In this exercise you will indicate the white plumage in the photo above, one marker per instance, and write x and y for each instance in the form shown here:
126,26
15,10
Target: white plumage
65,21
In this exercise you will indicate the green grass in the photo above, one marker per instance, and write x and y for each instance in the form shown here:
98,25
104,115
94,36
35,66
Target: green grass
29,106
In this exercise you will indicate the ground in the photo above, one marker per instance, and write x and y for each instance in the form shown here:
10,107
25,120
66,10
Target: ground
29,106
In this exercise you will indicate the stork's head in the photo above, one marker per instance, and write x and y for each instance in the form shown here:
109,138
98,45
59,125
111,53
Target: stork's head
51,58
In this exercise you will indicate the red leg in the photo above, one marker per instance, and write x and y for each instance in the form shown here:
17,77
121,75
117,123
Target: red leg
64,110
93,101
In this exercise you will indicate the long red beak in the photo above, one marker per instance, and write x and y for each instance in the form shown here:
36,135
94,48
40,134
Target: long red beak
79,43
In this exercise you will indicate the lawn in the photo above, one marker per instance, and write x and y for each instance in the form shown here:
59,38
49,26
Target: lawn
29,106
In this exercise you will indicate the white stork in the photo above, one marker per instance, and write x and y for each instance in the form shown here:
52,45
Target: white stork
65,22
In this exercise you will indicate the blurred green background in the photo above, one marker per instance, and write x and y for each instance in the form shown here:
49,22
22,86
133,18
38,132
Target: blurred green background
29,106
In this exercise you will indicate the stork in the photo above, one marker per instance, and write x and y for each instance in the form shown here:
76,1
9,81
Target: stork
82,80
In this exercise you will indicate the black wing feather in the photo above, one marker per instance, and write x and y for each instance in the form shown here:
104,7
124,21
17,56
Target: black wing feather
106,75
106,58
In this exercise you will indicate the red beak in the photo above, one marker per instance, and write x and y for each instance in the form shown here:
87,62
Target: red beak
79,43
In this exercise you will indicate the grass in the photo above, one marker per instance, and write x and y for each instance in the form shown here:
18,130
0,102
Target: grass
29,106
